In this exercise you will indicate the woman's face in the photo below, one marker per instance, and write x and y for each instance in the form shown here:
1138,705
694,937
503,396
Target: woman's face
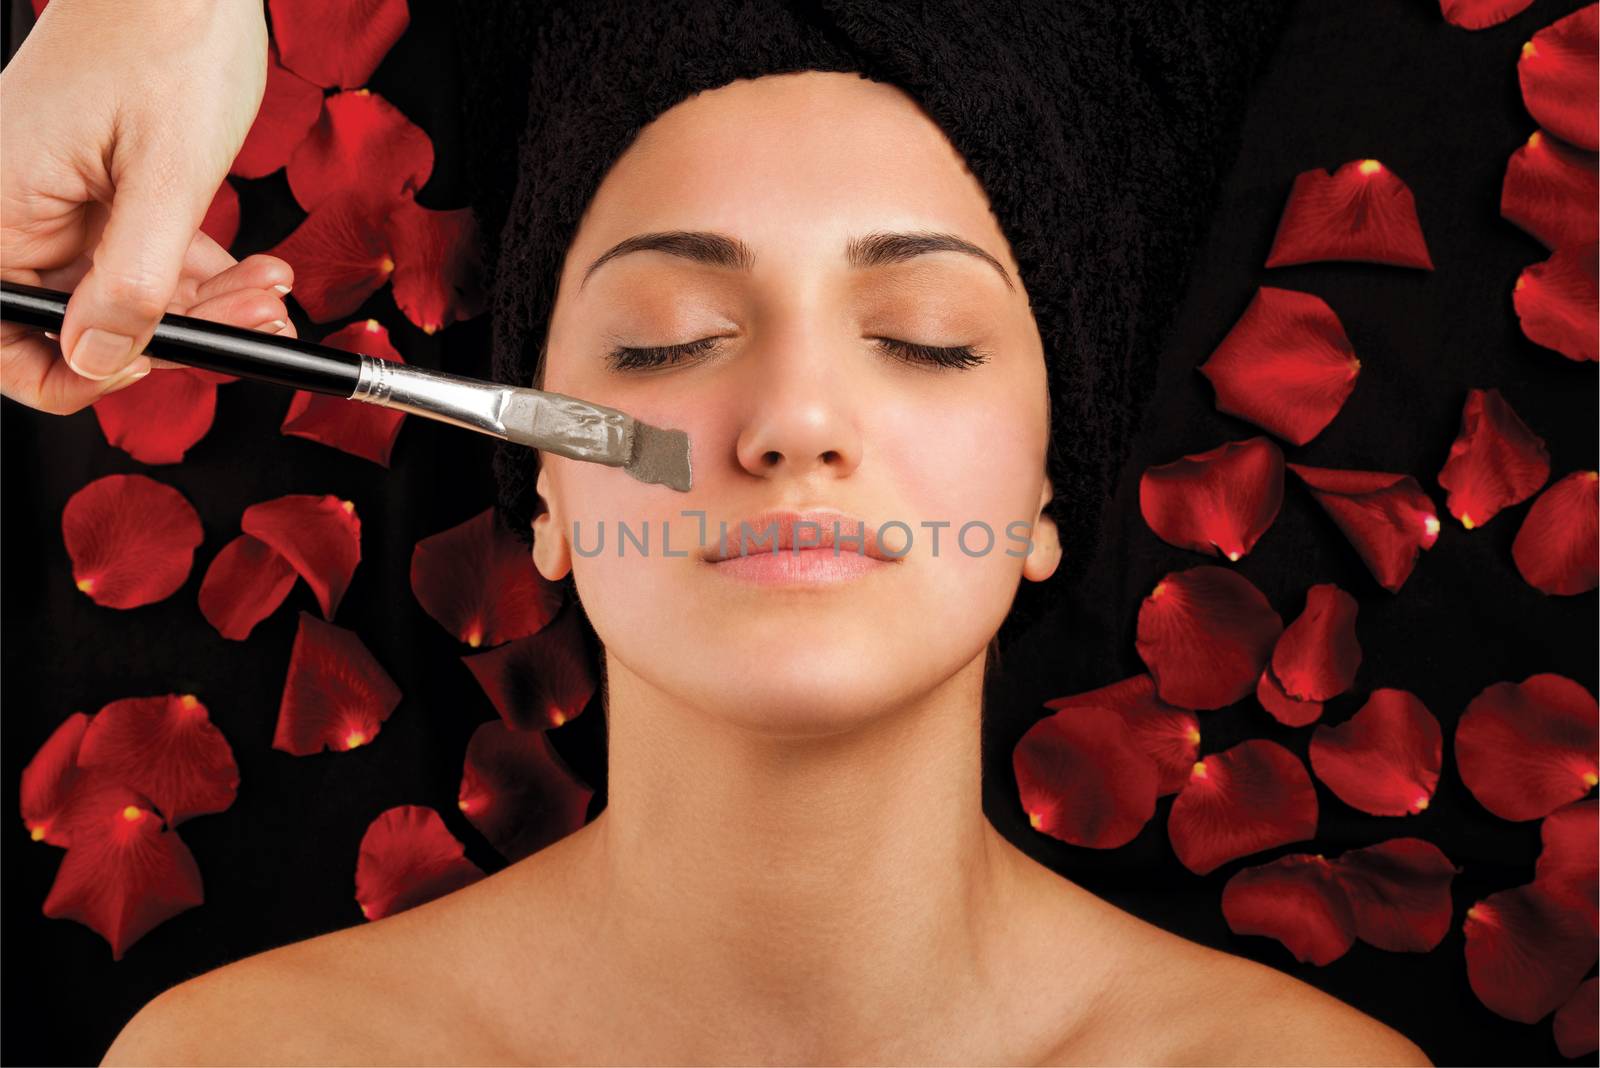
796,403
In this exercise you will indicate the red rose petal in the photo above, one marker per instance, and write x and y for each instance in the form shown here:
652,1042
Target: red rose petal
1317,655
1526,952
352,426
1385,759
1525,749
1286,365
131,539
409,857
361,143
337,45
1296,900
1558,302
1362,212
221,221
1495,461
49,779
123,874
288,108
216,378
1205,635
319,535
1242,800
1169,736
245,584
438,275
1577,1023
159,418
336,695
478,581
166,748
1399,893
1219,501
1558,70
1555,548
1386,516
539,681
1569,862
1083,778
1550,191
1290,711
518,791
339,254
1480,14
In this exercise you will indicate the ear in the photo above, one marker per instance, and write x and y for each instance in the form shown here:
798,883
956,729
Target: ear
1045,557
551,553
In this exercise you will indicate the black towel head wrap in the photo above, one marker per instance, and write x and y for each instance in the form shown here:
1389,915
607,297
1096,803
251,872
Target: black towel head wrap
1098,130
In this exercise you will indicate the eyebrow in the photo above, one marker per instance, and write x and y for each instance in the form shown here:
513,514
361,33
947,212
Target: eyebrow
876,249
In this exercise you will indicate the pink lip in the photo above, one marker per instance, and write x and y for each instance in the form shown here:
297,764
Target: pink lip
820,560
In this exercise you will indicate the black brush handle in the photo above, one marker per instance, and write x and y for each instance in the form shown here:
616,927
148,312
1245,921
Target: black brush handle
232,350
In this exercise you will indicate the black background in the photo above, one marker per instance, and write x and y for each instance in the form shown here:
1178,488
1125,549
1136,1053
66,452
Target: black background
1438,105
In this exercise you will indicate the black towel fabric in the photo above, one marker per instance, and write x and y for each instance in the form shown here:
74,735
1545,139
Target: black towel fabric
1099,130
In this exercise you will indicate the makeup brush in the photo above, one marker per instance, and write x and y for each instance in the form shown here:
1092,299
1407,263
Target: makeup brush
538,419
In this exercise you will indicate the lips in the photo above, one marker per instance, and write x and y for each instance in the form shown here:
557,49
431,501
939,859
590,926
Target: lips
778,530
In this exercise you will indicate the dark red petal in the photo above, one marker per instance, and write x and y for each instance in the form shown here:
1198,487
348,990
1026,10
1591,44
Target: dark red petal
1169,736
319,535
1296,900
49,779
1525,749
1290,711
123,874
336,695
288,108
539,681
1480,14
438,275
1399,892
1577,1023
1362,212
1495,461
352,426
1385,759
1219,501
1385,515
131,539
1550,191
159,418
478,581
1317,656
216,378
1558,71
166,748
1526,952
221,221
409,857
1205,635
1286,365
1556,548
1569,862
338,44
339,254
363,144
1083,778
1240,801
1558,302
518,792
245,584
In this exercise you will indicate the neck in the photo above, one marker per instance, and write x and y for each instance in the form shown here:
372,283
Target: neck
777,884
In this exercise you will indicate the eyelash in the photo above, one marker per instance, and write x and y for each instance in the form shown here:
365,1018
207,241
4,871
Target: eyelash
962,356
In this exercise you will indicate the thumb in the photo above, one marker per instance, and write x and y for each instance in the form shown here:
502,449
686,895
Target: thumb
135,267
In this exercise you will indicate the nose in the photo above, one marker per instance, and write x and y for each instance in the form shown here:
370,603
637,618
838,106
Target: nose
801,415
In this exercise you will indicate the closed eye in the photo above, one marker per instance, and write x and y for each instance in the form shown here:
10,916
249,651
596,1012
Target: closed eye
959,356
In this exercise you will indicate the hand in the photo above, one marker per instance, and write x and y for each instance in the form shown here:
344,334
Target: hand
121,122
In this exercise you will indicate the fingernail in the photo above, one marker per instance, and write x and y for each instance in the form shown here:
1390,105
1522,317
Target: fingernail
100,354
273,327
128,377
281,288
52,337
